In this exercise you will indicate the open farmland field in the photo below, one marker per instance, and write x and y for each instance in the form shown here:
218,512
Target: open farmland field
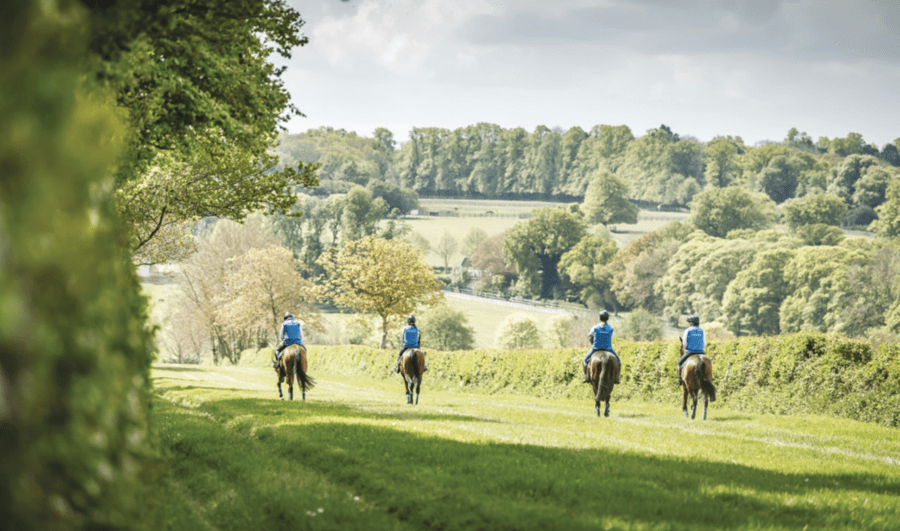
458,216
355,456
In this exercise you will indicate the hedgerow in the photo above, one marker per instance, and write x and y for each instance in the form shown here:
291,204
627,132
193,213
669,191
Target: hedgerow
74,348
795,374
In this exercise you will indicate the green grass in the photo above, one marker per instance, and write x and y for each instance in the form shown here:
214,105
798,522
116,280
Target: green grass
355,456
486,317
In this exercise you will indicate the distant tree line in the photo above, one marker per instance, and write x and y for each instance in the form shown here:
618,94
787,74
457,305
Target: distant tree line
658,168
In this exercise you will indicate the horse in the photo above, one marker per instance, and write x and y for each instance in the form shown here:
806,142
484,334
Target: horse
696,377
293,364
602,369
412,365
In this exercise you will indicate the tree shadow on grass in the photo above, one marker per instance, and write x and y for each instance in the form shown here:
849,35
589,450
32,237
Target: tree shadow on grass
430,482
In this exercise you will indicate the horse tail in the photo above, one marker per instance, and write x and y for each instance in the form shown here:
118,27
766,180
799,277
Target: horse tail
706,379
604,384
305,380
413,360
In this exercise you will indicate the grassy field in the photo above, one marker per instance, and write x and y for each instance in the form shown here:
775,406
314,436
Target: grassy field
471,213
355,456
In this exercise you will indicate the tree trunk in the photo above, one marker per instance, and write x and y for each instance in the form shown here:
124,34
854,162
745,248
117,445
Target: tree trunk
384,332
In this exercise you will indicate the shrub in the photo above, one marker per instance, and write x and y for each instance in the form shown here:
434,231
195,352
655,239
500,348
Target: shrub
641,325
447,329
518,331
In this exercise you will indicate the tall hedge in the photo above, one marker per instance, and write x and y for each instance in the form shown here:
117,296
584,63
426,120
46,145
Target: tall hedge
74,355
799,373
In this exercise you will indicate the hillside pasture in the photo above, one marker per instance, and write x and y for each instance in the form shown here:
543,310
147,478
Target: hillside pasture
355,456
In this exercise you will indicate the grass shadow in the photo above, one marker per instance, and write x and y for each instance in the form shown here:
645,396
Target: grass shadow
425,481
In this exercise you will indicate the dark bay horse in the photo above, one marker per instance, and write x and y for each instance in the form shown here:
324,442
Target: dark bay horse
602,369
696,377
293,365
412,365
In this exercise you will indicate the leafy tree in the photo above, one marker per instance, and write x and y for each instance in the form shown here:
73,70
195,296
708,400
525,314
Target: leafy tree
641,325
871,188
719,211
203,103
203,277
489,256
362,212
845,177
820,234
800,140
445,248
537,245
563,331
605,200
722,166
471,240
583,267
828,209
753,300
260,285
867,296
417,240
699,273
402,200
888,223
814,277
518,332
386,277
446,328
778,179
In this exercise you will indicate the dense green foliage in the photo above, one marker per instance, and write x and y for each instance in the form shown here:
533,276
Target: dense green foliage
659,168
202,101
74,349
797,374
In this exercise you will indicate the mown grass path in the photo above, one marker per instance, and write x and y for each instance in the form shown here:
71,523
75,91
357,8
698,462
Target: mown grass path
355,456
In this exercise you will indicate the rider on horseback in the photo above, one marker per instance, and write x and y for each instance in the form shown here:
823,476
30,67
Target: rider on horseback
601,339
291,334
692,342
410,338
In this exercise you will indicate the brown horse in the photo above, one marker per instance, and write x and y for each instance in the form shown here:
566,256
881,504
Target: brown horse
696,377
412,365
293,365
602,369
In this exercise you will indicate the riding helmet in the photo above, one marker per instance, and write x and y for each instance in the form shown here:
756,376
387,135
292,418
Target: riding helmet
411,319
694,319
288,315
604,315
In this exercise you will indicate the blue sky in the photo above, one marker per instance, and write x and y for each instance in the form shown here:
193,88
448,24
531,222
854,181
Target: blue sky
748,68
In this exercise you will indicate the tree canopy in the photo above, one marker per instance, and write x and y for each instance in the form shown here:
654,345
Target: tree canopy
537,245
388,278
720,211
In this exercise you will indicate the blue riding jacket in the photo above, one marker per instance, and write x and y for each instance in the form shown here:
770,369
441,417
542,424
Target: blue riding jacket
410,336
694,340
601,335
291,333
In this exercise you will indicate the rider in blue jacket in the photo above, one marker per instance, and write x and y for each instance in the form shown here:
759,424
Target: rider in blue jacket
601,339
291,334
410,337
692,342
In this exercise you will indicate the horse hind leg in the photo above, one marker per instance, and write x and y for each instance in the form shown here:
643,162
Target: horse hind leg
606,411
705,405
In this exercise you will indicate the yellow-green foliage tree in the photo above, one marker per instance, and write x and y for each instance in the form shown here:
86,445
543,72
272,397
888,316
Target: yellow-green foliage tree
388,278
517,332
74,348
260,286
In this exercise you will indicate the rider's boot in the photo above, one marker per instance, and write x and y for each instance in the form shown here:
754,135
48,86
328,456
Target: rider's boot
587,379
618,372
